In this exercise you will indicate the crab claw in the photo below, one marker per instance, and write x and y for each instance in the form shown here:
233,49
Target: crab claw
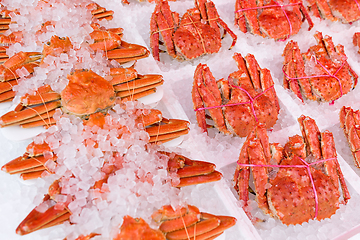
191,172
127,52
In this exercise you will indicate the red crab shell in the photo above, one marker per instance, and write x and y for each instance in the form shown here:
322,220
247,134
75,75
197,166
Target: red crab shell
87,93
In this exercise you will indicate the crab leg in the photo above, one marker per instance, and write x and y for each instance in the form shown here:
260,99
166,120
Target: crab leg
21,59
205,224
173,220
36,220
13,117
189,223
349,119
128,52
168,129
162,22
141,84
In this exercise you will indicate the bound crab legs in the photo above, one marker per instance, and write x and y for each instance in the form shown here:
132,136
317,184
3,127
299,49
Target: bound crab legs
196,34
245,98
298,190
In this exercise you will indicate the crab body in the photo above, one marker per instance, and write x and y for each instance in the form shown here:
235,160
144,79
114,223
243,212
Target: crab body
245,98
196,34
295,194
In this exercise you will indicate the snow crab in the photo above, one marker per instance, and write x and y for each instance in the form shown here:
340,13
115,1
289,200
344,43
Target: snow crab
246,97
349,121
294,183
32,164
320,74
273,19
345,11
85,94
188,222
196,34
55,214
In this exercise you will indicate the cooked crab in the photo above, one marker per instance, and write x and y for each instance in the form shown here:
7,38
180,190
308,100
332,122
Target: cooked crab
55,215
247,97
347,11
350,121
32,164
306,184
197,32
189,223
321,74
273,19
86,93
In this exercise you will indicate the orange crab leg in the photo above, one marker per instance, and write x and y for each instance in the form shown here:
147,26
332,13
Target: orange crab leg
197,229
206,178
22,164
137,93
332,167
191,216
7,96
7,86
136,96
171,129
141,81
15,117
37,220
193,168
129,52
27,59
210,95
122,75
